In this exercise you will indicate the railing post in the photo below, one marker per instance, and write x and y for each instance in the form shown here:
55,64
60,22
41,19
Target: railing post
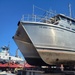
28,18
35,18
22,18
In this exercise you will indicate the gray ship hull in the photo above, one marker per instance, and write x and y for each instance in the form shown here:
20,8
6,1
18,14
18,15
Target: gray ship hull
27,48
45,43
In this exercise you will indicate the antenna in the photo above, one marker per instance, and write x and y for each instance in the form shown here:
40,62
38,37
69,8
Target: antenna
8,47
33,10
17,53
47,12
41,9
70,10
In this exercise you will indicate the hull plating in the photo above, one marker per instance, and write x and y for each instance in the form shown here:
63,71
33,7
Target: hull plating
48,43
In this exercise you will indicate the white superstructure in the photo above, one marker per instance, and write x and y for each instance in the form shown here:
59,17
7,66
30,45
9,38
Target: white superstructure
5,56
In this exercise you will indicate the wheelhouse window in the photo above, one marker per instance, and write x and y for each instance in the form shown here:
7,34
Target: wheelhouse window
73,23
62,18
68,27
73,29
68,21
55,19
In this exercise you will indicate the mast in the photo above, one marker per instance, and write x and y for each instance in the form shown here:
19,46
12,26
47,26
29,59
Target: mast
33,10
70,10
16,53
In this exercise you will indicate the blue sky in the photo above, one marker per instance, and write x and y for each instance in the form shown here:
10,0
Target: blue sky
11,12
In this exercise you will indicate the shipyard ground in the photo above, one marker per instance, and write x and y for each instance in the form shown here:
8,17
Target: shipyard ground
47,71
34,72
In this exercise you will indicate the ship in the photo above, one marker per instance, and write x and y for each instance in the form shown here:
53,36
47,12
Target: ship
46,40
5,56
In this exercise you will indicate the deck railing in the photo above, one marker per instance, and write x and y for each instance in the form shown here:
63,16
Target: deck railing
31,18
35,18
